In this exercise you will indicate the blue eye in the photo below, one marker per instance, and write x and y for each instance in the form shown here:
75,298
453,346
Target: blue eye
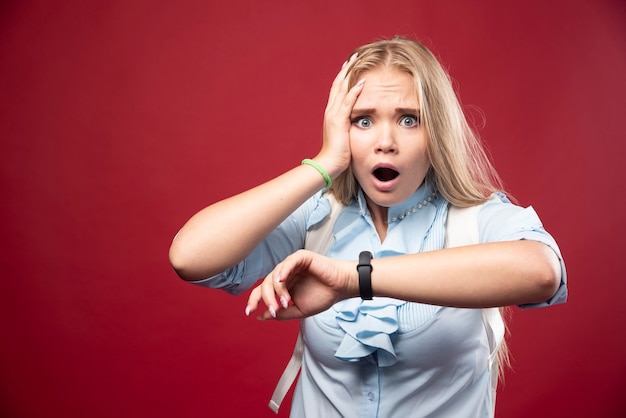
409,121
362,122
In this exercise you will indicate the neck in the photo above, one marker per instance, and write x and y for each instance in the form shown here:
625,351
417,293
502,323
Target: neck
379,217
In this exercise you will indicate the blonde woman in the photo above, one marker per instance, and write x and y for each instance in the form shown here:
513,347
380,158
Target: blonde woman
400,336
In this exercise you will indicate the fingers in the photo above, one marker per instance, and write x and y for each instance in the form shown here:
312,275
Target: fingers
271,290
253,300
341,99
291,312
335,154
339,85
340,78
353,94
274,294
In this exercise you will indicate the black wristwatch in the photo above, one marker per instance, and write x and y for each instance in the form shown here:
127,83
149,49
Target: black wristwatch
365,275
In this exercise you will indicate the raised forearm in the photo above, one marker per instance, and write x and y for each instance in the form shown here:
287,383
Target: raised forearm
483,275
224,233
474,276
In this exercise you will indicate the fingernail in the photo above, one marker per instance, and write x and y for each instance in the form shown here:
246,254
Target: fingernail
272,311
247,311
353,57
360,83
283,301
277,279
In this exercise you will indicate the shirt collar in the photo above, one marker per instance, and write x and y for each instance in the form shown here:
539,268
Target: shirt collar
423,196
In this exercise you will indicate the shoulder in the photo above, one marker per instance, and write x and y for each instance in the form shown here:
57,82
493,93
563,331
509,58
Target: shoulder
499,220
317,208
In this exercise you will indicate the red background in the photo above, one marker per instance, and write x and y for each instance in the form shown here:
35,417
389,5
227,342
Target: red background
120,119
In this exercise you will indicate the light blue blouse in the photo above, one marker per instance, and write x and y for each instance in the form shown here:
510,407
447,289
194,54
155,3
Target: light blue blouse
386,357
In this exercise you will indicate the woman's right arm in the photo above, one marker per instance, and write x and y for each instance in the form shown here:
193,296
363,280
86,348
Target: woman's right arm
223,234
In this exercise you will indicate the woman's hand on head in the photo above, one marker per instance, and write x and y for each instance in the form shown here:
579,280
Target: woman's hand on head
335,153
304,284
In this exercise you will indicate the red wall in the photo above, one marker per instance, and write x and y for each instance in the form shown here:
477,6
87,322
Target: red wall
119,119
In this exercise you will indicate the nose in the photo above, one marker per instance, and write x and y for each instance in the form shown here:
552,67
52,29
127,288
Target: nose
386,140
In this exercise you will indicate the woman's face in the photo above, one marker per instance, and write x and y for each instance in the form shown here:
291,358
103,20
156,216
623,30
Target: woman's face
387,140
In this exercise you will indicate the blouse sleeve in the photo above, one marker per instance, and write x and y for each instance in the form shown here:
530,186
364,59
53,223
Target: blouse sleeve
287,238
500,220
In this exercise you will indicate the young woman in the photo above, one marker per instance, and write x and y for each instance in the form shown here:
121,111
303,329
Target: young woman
397,154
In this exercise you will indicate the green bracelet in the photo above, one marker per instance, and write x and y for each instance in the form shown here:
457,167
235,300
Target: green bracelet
329,181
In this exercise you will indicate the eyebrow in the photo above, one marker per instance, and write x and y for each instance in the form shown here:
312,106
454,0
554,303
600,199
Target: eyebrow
372,110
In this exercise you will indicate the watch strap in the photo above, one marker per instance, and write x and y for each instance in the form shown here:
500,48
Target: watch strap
365,275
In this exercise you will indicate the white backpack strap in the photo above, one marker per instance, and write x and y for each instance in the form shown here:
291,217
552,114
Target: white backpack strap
462,226
289,375
462,229
318,239
494,325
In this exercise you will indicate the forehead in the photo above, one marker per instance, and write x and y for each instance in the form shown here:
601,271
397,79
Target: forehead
387,85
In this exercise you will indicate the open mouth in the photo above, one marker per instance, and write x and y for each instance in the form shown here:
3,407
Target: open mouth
385,174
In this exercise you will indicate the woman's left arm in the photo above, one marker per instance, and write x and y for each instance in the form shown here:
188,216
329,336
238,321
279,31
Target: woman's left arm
474,276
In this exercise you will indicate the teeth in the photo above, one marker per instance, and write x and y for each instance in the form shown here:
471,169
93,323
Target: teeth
385,174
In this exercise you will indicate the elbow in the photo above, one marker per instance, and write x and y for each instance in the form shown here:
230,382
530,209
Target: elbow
547,276
178,263
192,261
181,263
547,286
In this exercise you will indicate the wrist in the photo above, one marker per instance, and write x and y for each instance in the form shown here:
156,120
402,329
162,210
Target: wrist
351,287
364,269
312,163
330,165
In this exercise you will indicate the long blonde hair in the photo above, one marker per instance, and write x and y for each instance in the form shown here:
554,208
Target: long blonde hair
460,168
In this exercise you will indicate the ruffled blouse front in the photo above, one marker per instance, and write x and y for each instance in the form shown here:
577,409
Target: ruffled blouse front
368,326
